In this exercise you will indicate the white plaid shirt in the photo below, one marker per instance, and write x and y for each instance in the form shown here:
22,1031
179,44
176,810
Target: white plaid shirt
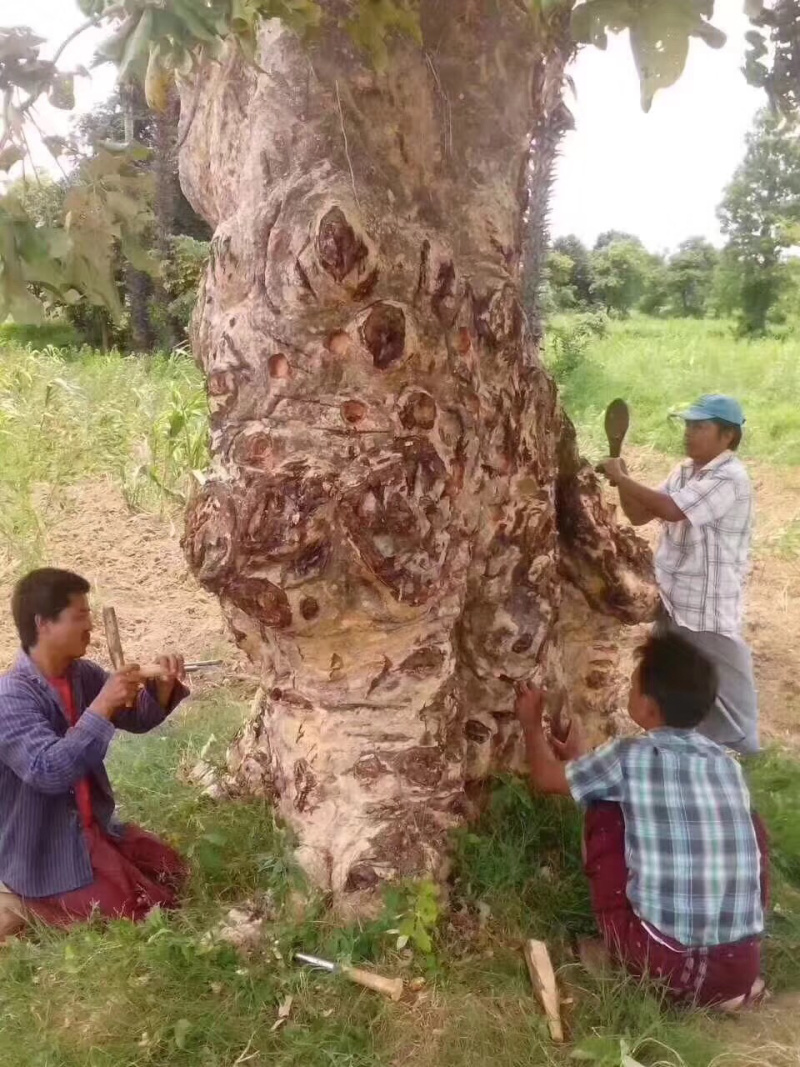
702,562
690,845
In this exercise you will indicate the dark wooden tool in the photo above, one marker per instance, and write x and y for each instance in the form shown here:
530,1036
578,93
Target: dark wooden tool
617,422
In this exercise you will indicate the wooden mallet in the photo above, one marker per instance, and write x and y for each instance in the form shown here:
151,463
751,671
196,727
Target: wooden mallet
617,421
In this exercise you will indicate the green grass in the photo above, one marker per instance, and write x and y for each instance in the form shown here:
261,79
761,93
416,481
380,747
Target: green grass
62,335
67,415
523,863
660,366
166,994
775,784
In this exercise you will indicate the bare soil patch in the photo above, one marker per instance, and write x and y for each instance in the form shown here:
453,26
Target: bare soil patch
135,564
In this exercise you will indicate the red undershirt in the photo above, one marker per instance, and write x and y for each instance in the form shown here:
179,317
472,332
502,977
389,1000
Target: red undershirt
83,793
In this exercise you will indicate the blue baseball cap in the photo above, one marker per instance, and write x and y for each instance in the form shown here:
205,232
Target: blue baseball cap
715,406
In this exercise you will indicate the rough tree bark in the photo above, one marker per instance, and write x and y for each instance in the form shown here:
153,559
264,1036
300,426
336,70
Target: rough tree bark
397,520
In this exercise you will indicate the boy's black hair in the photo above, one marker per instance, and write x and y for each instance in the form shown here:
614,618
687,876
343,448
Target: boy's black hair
679,678
731,428
43,594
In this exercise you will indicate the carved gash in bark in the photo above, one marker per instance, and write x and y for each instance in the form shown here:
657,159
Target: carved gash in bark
392,468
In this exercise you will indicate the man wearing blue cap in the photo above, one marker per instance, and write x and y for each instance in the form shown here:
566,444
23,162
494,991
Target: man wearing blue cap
706,511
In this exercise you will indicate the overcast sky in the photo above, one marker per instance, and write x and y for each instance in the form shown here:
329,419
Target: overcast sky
659,175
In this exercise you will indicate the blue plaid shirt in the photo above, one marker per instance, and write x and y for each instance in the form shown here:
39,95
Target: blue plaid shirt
690,847
42,846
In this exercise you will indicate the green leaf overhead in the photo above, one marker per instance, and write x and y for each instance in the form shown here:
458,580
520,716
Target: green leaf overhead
112,48
156,41
659,32
775,67
376,20
594,20
136,48
105,206
181,32
62,92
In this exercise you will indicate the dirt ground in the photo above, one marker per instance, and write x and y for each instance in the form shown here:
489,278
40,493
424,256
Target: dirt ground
135,563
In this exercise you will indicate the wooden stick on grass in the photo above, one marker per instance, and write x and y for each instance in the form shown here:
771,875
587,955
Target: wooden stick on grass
543,978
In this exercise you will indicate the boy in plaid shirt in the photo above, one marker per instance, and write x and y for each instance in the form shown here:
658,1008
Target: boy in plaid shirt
676,861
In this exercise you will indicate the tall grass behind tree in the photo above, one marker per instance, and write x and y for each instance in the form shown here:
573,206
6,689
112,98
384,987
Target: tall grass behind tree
70,415
660,366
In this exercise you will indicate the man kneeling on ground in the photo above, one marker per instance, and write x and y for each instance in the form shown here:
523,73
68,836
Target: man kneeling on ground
676,862
63,855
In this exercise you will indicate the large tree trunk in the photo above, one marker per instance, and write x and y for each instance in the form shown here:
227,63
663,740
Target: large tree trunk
397,505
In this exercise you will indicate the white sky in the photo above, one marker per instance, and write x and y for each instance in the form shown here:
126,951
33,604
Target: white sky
659,175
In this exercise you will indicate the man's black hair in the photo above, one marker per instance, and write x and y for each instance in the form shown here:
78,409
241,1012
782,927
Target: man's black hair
679,678
731,428
43,594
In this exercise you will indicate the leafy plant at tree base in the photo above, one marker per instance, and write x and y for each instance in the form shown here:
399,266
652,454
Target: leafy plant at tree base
411,912
415,909
619,1052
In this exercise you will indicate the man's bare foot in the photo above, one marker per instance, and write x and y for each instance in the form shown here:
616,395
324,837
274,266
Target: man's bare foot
595,957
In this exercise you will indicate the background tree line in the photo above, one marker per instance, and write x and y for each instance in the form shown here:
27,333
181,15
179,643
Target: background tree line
755,277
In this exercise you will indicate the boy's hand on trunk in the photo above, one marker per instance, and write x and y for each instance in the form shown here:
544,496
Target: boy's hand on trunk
529,706
547,773
568,742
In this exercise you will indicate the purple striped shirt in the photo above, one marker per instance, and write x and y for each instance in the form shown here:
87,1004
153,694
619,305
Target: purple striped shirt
42,847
